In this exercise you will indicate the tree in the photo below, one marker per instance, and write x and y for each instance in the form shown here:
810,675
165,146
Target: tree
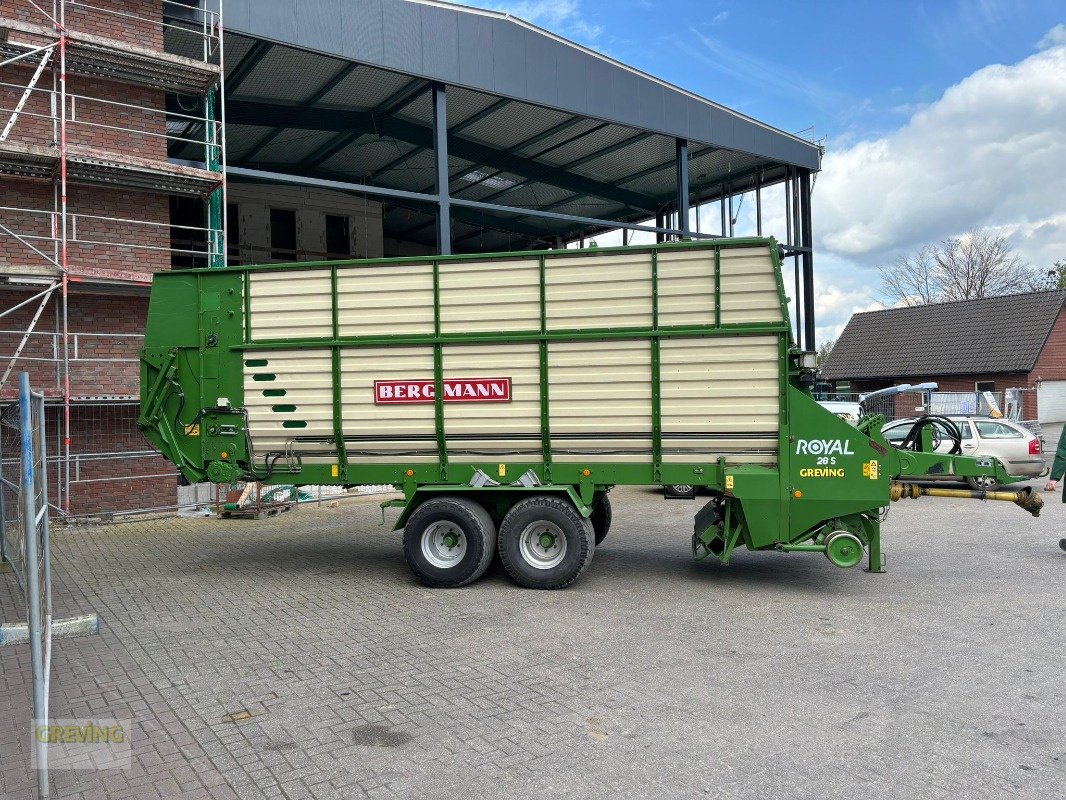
1053,278
824,349
966,267
912,280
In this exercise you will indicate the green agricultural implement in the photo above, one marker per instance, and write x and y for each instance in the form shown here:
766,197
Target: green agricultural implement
506,394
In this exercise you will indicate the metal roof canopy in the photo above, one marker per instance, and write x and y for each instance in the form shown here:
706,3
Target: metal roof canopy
340,89
545,140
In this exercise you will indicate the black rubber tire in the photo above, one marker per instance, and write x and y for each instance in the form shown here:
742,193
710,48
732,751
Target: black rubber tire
578,532
601,517
476,525
676,491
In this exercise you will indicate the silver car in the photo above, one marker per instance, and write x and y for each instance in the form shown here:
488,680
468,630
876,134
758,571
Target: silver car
1014,445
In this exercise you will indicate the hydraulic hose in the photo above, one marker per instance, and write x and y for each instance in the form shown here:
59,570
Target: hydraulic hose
912,441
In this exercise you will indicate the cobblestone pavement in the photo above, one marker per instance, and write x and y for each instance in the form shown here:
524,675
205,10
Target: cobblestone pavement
653,676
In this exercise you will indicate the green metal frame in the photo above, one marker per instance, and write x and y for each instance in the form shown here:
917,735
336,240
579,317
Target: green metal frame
194,363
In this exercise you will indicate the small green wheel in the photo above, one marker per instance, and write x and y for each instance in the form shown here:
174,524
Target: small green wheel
843,549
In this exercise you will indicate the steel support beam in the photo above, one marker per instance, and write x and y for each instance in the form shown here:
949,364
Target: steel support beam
331,84
682,188
347,134
419,197
440,153
356,124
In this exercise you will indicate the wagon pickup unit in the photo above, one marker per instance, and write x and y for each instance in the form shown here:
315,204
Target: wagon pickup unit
506,394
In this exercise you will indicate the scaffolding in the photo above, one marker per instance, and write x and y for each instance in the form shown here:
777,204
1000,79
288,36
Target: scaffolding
170,52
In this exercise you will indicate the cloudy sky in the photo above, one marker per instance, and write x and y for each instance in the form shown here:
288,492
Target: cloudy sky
937,117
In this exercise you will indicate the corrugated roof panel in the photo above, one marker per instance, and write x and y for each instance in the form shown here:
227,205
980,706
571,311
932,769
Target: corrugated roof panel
481,183
496,53
240,139
463,104
535,195
364,156
293,146
588,207
286,76
237,48
646,153
589,144
516,123
419,109
580,128
365,88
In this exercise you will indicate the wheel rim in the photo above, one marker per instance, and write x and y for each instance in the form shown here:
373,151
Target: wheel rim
984,482
843,549
682,488
443,544
542,545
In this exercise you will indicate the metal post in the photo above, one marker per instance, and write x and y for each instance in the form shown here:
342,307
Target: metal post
3,509
33,588
721,205
63,250
440,150
216,256
807,242
732,214
758,204
682,188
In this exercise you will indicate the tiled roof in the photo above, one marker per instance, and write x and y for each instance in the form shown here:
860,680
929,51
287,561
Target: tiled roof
966,337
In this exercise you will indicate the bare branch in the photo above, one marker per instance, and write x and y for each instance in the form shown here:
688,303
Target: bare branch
966,267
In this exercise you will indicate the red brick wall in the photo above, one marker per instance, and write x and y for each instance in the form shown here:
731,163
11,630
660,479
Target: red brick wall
1051,365
94,429
111,481
110,314
146,32
84,114
94,201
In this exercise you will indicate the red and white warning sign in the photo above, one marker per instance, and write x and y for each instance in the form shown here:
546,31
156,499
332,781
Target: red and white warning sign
456,390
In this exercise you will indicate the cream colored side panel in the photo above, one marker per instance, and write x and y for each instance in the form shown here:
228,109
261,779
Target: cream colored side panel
490,296
686,287
720,397
600,401
387,432
386,299
479,430
305,377
290,304
749,286
607,291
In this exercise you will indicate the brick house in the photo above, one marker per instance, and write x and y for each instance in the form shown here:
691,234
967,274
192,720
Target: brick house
995,343
120,189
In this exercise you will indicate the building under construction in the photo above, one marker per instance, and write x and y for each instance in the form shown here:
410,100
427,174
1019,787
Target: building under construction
143,135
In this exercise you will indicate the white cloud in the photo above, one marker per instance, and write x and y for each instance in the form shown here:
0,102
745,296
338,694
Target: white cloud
1053,38
989,153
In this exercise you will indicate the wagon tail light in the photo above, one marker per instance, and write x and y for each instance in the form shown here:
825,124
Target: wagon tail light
1034,447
